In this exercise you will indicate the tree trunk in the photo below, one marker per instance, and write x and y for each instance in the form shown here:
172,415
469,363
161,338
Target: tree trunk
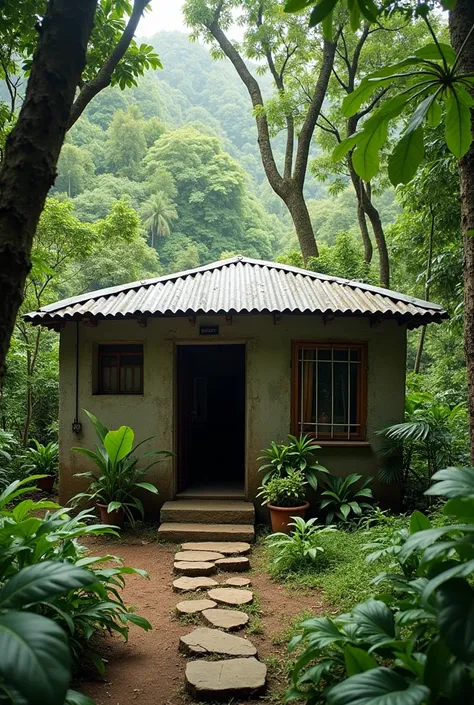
296,204
364,230
33,146
421,342
461,20
379,235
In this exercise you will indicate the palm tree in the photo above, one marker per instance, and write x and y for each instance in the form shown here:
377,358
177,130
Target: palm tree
157,213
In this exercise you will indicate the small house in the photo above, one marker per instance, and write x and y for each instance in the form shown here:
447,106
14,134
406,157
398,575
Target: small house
216,362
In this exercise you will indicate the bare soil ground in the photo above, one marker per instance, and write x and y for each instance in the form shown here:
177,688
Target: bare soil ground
149,669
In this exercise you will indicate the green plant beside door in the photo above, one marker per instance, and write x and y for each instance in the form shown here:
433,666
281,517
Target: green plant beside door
114,488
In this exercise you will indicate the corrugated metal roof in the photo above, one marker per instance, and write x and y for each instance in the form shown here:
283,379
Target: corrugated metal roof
240,285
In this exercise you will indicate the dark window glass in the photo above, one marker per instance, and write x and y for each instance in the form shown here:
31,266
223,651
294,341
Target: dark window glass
121,369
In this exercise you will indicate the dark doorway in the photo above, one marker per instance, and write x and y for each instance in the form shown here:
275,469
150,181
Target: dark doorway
211,420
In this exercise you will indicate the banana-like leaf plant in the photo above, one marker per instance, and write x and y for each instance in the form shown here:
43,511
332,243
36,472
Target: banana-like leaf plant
284,458
345,497
119,477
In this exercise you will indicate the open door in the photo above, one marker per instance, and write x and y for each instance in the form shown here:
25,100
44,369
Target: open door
211,420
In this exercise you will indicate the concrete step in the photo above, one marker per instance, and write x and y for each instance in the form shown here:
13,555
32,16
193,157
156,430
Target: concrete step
204,511
177,532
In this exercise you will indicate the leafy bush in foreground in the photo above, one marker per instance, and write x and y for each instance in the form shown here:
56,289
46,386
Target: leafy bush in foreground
62,598
415,648
301,546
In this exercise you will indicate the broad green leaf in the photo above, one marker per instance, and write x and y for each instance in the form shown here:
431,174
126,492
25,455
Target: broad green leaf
368,9
394,68
455,601
448,4
453,482
100,429
406,158
379,686
375,621
458,125
460,507
358,660
354,100
460,570
41,582
138,621
75,698
419,522
437,660
420,113
322,10
430,52
148,486
365,157
119,443
35,657
435,114
326,24
113,506
298,5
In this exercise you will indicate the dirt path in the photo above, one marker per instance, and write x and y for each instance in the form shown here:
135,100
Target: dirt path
149,669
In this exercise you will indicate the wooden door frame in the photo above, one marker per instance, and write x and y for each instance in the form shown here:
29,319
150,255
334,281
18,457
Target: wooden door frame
193,342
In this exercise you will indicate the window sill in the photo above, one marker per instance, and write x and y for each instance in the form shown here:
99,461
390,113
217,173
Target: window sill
343,444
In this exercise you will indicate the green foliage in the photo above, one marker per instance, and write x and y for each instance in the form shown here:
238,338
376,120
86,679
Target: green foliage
433,434
288,490
54,599
41,459
297,455
417,648
342,498
302,545
119,476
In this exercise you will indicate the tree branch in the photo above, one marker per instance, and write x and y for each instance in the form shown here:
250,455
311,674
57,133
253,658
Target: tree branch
104,77
307,130
253,88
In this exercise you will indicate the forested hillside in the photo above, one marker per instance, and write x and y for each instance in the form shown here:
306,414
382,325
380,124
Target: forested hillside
166,175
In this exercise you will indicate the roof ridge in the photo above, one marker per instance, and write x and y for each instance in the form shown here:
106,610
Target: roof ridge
219,264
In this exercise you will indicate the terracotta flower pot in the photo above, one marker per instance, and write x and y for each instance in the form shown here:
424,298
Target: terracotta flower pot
45,483
116,518
281,517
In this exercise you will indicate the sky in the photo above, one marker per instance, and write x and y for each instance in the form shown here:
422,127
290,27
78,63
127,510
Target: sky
165,15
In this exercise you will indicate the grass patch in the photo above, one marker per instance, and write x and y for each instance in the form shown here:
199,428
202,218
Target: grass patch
341,572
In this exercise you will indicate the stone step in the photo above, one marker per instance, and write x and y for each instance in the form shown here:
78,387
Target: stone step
179,532
204,641
228,620
203,511
194,568
228,548
225,680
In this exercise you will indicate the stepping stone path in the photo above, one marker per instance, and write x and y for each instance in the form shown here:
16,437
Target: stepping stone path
193,584
199,556
212,642
233,564
237,582
225,680
229,620
228,548
234,672
193,606
198,568
231,596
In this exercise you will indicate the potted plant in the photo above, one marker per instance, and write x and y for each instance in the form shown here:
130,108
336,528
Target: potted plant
115,486
42,460
285,498
299,454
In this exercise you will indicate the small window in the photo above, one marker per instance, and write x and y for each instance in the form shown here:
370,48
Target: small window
329,390
121,369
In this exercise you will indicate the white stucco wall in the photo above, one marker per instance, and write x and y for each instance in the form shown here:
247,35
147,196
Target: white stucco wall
267,387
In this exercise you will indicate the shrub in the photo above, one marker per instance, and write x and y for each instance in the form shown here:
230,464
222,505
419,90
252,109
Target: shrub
296,455
287,491
120,477
41,459
300,547
81,612
342,499
415,649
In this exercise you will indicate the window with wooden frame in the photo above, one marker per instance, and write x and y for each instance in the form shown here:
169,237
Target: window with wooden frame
120,368
329,395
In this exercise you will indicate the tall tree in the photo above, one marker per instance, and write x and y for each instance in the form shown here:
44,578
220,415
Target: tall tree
461,24
281,42
59,65
157,213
